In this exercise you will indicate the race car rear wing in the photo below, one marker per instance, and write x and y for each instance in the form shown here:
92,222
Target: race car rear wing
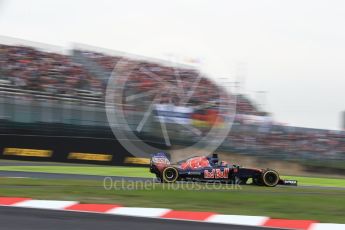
160,159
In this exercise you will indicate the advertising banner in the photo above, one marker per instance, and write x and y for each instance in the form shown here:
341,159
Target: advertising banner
168,113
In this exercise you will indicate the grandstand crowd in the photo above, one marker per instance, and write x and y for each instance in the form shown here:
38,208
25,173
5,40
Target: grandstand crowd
32,69
29,68
175,82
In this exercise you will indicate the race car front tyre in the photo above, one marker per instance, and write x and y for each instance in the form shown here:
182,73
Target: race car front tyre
170,175
270,178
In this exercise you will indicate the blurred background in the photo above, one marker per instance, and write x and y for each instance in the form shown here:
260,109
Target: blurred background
277,82
45,93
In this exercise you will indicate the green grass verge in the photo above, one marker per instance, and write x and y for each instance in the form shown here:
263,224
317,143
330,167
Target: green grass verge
325,205
316,181
144,172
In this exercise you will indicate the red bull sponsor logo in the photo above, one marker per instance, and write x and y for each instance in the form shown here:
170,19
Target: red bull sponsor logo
216,173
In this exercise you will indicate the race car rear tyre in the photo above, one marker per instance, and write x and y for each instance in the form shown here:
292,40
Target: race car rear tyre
270,178
170,175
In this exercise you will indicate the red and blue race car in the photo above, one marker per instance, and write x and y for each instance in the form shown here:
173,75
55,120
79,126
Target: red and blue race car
211,169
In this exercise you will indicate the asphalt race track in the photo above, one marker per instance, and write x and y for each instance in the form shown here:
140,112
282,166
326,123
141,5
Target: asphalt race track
35,219
40,175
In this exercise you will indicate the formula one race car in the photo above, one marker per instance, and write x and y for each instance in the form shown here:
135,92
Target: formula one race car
210,169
